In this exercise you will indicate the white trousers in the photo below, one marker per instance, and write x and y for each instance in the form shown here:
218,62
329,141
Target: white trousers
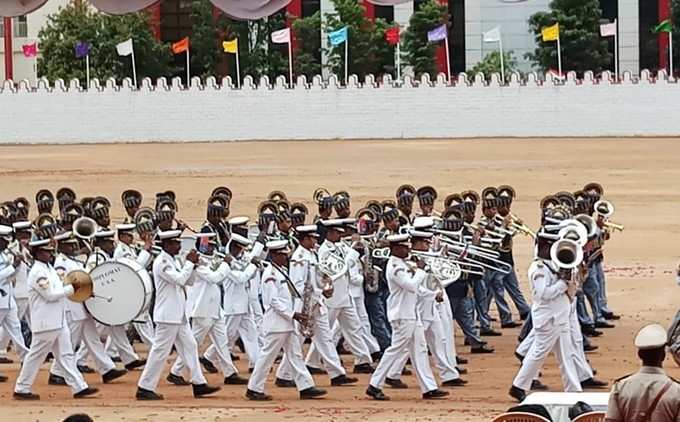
273,343
555,338
241,325
408,339
258,318
321,338
369,339
144,328
582,366
166,335
59,343
216,330
85,331
11,325
446,319
350,326
118,339
22,311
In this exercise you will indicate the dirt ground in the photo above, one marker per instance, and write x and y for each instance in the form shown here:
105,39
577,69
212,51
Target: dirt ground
640,177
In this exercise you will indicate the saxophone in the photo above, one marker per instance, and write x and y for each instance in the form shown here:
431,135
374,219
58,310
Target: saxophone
371,272
309,304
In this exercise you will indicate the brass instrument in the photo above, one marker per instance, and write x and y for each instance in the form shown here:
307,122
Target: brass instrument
15,249
85,228
613,226
308,304
605,209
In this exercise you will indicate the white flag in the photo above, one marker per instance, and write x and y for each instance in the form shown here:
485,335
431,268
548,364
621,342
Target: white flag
125,48
608,29
493,36
281,37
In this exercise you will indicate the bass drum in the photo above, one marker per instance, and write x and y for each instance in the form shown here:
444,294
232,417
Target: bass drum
123,290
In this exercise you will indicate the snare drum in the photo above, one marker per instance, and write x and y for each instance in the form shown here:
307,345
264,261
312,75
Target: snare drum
123,288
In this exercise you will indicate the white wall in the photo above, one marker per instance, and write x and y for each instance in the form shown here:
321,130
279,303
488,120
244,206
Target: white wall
315,111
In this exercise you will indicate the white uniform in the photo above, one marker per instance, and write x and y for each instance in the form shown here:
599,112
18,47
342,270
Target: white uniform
204,307
117,334
550,315
172,326
20,290
341,308
280,306
47,301
356,290
142,323
9,316
81,324
304,269
407,331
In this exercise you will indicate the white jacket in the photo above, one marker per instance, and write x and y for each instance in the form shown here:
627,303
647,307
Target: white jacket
124,251
47,298
403,284
550,300
204,297
279,303
7,272
341,283
236,286
426,303
304,266
64,265
170,278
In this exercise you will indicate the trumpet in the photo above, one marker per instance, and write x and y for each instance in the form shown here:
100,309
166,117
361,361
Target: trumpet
613,226
516,224
182,223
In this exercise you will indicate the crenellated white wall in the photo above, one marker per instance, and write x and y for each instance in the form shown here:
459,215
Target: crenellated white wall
65,113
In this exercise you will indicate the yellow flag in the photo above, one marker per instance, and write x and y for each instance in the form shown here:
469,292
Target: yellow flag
230,46
551,33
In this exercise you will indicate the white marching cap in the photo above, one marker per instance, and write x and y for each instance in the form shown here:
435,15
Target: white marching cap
239,221
421,235
63,236
277,245
653,336
104,234
125,227
423,223
170,234
22,225
309,230
240,240
6,231
398,239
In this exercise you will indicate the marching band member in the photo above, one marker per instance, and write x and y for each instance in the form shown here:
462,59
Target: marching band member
405,196
407,332
341,308
172,326
305,275
9,318
325,206
132,201
282,303
80,323
204,307
47,301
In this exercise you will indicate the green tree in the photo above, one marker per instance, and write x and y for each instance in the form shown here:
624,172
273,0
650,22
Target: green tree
78,22
369,52
492,64
582,47
419,53
205,42
308,55
675,19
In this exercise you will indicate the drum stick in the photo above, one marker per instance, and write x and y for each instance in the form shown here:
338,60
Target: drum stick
107,299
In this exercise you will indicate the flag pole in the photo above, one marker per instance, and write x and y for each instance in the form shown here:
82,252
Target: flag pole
500,44
448,61
559,57
399,61
87,70
616,50
290,61
346,57
670,52
134,68
238,69
188,68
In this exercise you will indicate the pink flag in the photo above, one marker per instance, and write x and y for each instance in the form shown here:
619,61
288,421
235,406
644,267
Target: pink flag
608,29
30,50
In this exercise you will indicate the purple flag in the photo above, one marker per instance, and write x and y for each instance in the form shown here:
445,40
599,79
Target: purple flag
437,34
82,49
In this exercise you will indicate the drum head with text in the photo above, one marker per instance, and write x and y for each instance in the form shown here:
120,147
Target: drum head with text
120,294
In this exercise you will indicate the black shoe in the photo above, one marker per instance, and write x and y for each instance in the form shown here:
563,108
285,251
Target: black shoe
26,396
610,316
461,371
315,371
364,368
342,351
251,370
517,393
56,380
376,356
89,391
524,317
376,393
135,364
143,394
208,366
4,378
113,374
519,357
461,361
343,380
589,347
490,333
177,379
604,324
6,361
49,357
482,349
312,393
406,372
590,331
116,359
84,369
254,395
511,324
593,383
234,358
202,390
235,379
284,383
395,383
537,385
435,394
458,382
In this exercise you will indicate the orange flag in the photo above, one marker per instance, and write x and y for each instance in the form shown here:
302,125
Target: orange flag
181,46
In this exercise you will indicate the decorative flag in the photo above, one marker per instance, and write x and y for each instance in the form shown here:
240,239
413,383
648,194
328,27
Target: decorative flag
125,48
82,49
608,29
230,46
281,36
493,36
338,37
392,35
551,33
180,46
665,26
30,50
437,34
